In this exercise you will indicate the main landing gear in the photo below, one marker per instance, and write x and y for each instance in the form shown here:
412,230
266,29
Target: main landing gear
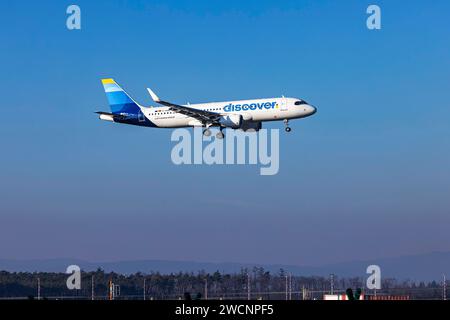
286,125
206,132
219,135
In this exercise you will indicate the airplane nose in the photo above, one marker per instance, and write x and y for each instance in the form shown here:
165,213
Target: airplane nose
312,110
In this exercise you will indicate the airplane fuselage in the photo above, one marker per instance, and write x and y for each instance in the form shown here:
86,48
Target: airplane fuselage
256,110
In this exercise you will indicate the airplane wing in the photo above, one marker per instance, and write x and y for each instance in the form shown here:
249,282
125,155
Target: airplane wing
201,115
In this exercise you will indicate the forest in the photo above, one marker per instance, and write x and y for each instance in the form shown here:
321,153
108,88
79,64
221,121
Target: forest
246,284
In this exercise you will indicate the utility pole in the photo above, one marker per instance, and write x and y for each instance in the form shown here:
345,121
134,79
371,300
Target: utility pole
332,283
92,287
144,289
290,286
444,289
206,288
286,276
248,285
39,289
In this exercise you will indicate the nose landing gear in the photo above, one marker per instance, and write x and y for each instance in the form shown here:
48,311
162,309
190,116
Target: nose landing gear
286,125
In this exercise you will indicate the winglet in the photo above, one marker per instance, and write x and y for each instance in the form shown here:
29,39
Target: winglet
153,95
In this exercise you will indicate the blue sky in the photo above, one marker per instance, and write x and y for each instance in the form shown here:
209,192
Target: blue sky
367,176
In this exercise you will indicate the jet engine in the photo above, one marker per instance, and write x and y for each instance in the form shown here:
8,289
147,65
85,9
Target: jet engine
251,126
233,121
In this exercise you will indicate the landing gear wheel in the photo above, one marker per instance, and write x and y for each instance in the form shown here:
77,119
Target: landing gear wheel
286,124
220,135
206,132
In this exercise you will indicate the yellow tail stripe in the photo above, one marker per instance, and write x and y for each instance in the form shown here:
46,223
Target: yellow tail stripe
106,81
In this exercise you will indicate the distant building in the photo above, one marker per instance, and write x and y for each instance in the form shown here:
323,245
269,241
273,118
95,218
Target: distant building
387,297
366,297
339,297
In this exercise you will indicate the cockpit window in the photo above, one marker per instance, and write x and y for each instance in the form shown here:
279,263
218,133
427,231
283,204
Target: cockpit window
300,102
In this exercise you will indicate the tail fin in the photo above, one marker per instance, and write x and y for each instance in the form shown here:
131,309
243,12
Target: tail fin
119,100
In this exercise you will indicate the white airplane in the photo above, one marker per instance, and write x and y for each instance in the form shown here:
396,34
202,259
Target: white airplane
246,115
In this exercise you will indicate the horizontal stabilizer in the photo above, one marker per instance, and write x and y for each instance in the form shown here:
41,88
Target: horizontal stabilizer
110,116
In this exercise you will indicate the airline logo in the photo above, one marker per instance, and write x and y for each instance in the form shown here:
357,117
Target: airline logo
250,106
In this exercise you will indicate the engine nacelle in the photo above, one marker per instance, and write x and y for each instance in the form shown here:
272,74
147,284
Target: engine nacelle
251,126
233,121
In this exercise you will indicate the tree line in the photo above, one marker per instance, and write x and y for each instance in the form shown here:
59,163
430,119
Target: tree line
256,283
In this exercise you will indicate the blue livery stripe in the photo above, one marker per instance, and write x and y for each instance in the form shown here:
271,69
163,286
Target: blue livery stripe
118,97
